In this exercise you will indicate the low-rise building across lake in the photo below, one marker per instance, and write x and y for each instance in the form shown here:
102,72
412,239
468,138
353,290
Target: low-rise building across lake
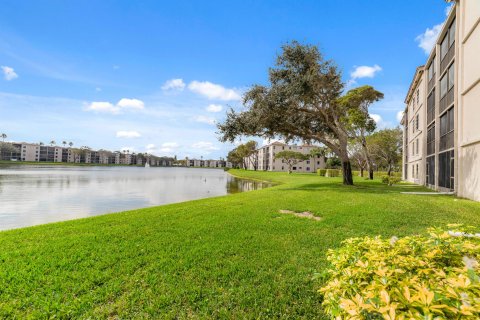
32,152
264,158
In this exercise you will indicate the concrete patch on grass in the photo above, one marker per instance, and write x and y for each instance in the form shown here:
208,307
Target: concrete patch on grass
305,214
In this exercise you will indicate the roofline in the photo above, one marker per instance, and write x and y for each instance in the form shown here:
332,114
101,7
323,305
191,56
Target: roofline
416,78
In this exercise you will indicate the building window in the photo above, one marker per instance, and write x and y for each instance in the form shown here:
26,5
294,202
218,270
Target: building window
294,168
431,139
451,76
446,170
447,127
308,168
417,171
451,34
443,86
416,122
308,161
444,48
431,70
417,147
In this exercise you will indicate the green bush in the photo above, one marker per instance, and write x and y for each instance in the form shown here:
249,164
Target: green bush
321,172
416,277
390,180
356,173
385,173
332,173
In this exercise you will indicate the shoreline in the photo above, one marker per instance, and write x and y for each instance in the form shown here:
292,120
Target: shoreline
232,256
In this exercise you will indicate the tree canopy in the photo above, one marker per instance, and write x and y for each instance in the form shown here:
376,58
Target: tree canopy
303,101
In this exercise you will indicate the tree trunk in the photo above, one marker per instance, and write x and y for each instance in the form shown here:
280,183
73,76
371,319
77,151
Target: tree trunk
347,173
370,172
361,172
389,170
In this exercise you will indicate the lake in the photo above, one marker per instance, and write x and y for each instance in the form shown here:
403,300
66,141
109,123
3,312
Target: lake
32,195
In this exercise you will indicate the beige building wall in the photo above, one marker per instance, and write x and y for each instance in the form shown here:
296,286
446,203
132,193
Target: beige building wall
30,152
468,12
415,123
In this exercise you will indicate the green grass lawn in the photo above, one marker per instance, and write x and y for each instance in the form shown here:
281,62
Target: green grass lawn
227,257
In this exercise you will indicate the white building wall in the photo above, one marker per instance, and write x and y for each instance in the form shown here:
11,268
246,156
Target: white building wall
468,93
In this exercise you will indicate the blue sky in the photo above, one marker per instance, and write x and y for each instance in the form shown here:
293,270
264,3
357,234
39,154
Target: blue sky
155,75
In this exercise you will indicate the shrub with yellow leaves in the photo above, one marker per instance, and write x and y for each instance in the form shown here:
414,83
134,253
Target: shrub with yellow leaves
416,277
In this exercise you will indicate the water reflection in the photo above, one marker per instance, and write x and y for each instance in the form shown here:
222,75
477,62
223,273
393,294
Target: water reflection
31,195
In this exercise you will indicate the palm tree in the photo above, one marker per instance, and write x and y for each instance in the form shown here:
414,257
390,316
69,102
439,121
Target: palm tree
70,144
64,143
52,143
41,143
4,136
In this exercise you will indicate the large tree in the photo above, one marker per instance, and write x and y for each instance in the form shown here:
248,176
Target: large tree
358,101
301,102
244,154
386,147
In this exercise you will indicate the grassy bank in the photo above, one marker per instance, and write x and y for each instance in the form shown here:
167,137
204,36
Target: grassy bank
227,257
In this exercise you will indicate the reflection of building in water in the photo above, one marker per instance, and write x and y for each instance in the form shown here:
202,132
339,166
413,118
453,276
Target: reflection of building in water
235,185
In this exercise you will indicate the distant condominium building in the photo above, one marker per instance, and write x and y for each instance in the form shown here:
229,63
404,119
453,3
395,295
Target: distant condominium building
32,152
264,158
441,131
200,163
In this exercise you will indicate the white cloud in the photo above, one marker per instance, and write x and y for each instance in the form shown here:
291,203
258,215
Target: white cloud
205,146
448,9
174,84
102,107
9,73
213,91
376,117
128,134
427,40
205,119
214,108
167,147
98,89
131,104
107,107
365,72
399,116
115,67
170,145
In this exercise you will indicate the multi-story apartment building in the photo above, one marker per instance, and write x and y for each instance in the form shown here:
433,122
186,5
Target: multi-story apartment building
41,153
207,163
414,134
448,132
264,158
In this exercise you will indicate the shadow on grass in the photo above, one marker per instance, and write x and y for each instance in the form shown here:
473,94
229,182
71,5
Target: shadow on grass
359,187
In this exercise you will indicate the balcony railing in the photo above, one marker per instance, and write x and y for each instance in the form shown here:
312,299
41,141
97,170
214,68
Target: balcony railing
446,60
447,100
431,83
447,141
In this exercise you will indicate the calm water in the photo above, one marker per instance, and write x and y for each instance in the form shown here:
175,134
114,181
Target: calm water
31,195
